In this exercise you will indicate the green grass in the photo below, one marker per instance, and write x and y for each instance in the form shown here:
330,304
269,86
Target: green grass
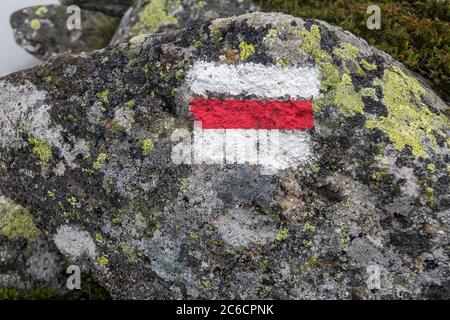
416,33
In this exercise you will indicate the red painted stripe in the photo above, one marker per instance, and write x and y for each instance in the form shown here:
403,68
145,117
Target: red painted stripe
252,114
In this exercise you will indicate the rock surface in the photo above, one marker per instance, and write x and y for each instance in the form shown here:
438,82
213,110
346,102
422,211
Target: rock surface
42,31
31,267
28,262
155,16
87,144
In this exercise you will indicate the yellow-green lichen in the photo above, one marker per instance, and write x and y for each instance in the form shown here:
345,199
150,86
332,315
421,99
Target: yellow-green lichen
103,95
50,194
307,243
379,175
183,185
369,92
88,170
15,221
429,193
150,232
9,293
309,227
110,182
14,294
193,235
330,75
311,40
116,126
282,234
346,51
146,69
283,63
118,219
99,238
147,146
335,89
431,167
152,16
102,260
100,161
347,99
367,65
313,261
41,11
216,34
179,74
349,54
264,265
42,149
72,201
272,33
198,44
130,104
246,50
409,121
35,24
206,283
128,251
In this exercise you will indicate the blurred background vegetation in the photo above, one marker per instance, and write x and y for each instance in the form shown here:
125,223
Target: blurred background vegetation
416,33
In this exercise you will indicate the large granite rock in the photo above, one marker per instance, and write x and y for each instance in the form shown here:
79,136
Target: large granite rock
358,206
43,32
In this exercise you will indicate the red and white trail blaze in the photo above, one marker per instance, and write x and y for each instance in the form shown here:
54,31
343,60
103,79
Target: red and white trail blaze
268,128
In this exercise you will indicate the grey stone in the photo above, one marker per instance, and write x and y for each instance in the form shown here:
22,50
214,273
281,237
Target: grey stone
43,32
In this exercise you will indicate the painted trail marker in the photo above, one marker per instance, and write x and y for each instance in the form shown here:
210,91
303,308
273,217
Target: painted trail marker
262,119
253,114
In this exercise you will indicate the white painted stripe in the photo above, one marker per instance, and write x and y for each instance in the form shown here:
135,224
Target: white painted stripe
272,149
254,79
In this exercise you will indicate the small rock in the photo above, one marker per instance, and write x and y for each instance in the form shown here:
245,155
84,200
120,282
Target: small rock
43,32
